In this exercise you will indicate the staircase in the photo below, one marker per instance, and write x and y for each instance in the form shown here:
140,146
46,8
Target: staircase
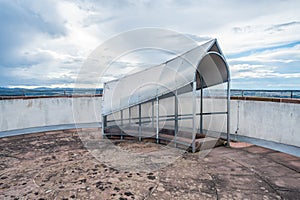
166,136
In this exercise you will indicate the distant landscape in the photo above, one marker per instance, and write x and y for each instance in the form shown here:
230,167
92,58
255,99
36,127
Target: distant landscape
44,91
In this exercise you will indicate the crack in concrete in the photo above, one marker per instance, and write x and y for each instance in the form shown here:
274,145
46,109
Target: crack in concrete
257,174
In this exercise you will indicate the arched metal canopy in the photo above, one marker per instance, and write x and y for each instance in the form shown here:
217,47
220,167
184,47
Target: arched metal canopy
197,69
205,61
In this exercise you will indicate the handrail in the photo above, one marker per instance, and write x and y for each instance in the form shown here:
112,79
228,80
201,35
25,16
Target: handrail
255,93
267,99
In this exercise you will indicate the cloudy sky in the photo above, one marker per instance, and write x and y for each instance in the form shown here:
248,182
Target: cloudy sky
45,43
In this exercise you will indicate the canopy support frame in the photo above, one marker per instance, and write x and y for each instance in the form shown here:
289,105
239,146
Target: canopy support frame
194,116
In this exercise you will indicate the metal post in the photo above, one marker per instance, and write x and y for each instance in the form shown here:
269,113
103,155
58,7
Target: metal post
194,117
129,116
152,120
201,107
104,118
228,113
157,120
176,118
121,124
140,122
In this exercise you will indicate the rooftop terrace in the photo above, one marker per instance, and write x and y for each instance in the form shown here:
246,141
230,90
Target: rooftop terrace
56,165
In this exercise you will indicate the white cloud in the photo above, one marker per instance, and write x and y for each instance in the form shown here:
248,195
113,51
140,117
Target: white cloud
283,55
59,35
258,71
251,71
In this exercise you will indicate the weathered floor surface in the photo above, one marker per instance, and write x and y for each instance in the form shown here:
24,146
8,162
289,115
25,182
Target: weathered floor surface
56,165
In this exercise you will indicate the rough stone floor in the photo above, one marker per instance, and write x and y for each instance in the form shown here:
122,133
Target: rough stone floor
57,165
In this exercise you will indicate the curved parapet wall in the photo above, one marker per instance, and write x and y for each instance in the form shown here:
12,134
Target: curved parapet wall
275,120
28,112
272,121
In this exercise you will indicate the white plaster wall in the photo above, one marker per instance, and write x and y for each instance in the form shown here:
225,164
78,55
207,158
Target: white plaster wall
27,113
273,121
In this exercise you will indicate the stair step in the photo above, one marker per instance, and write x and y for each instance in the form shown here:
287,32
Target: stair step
187,141
183,139
115,130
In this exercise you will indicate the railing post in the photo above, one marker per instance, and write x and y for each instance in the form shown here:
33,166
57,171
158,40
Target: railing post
104,123
201,108
228,113
194,117
140,122
129,116
176,118
157,120
152,119
121,124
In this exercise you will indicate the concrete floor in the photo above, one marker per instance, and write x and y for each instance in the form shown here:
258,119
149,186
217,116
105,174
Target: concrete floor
56,165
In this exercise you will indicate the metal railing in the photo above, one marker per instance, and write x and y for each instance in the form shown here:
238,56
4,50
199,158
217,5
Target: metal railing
48,92
293,94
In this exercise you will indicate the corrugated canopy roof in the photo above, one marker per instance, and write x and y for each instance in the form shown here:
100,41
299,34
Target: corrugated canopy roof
205,64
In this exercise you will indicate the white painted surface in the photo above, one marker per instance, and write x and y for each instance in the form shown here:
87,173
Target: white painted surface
273,121
27,113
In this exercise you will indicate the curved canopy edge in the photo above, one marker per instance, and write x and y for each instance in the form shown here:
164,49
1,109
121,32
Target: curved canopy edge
205,64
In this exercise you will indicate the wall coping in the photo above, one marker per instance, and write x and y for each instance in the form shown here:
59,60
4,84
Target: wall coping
266,99
47,97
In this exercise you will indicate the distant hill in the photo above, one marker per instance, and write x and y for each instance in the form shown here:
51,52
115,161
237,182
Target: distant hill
44,91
